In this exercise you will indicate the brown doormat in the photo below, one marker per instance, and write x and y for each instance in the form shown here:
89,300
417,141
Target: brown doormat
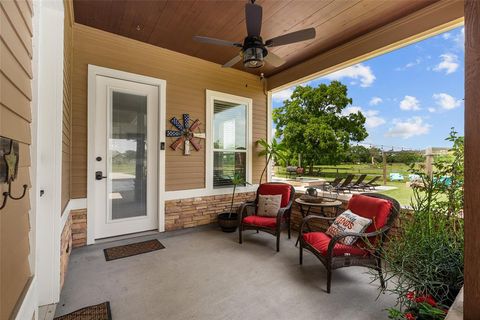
133,249
98,312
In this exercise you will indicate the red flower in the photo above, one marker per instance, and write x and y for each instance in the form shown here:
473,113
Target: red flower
428,299
410,295
409,316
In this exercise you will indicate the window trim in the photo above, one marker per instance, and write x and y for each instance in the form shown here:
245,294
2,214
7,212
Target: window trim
211,96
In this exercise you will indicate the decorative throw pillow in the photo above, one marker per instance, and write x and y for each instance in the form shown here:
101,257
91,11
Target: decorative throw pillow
268,205
348,222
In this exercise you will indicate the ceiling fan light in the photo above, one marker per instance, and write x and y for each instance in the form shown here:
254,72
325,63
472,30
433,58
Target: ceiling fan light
253,58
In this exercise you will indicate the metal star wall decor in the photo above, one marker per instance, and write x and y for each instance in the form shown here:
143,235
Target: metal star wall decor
186,134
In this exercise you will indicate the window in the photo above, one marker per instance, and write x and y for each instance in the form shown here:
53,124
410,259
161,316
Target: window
230,139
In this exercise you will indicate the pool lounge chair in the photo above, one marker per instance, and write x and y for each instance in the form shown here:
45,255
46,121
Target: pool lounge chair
358,184
344,186
370,185
395,176
328,185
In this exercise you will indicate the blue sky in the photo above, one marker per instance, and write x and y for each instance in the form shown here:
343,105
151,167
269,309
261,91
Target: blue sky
411,97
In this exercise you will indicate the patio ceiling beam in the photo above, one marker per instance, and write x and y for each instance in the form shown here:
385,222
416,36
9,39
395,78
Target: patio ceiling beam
431,20
471,305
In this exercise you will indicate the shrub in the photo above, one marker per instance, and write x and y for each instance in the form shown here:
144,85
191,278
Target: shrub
424,261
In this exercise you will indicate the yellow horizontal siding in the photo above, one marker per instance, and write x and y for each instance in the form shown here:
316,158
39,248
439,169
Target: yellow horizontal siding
187,78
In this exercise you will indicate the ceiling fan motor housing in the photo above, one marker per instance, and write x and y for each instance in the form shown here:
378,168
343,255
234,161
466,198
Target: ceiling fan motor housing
254,52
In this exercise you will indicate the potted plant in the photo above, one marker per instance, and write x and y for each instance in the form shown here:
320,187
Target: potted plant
228,220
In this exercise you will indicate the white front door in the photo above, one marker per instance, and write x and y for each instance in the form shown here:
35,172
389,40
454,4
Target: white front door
126,157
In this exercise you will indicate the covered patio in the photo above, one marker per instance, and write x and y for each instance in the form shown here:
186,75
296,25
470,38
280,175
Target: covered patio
64,61
206,274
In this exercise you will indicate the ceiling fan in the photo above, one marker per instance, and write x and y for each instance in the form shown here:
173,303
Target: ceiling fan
254,51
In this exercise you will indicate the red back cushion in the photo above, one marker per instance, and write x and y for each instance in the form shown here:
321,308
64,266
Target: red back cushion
372,208
276,188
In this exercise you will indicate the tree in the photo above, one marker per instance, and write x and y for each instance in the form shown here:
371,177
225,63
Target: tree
311,123
407,157
358,154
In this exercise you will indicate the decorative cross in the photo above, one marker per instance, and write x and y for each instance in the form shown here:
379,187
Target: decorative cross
186,134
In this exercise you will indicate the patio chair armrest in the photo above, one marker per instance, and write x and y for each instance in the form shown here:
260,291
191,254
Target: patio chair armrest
307,219
364,235
281,213
243,208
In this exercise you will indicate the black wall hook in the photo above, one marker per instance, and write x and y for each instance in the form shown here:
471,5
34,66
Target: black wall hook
8,194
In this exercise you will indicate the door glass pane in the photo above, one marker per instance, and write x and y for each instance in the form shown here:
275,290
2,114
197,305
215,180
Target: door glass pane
128,156
229,126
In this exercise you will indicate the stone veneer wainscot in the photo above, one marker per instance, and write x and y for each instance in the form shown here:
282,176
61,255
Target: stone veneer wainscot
197,211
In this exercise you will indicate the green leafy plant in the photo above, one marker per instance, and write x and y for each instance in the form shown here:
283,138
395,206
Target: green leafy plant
424,261
270,150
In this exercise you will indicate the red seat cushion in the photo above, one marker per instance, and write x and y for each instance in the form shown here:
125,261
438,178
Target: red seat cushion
372,208
276,188
268,222
320,242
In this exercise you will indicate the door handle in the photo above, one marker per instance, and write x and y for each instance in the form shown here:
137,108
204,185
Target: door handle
99,175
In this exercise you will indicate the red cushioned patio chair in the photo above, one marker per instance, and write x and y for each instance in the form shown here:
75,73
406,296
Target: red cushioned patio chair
365,252
249,220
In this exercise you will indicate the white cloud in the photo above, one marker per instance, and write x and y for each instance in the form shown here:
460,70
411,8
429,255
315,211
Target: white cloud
350,110
360,72
373,119
410,103
446,101
375,101
459,39
432,110
449,63
408,128
410,64
282,95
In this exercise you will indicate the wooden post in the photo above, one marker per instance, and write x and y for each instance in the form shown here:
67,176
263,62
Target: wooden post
471,305
384,160
429,162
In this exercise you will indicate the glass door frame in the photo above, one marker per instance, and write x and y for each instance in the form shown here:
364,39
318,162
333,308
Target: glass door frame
89,202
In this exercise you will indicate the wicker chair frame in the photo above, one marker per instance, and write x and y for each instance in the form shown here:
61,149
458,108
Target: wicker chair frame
283,218
371,260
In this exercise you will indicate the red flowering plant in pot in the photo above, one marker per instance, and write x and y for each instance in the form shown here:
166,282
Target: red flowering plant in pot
424,258
419,307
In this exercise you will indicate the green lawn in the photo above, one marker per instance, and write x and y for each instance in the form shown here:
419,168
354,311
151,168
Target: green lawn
128,168
402,193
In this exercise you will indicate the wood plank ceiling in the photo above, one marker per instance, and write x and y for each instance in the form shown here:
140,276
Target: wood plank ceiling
171,24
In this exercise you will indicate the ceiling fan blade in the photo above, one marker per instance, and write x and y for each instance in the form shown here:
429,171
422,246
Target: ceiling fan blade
232,62
253,17
292,37
218,42
274,60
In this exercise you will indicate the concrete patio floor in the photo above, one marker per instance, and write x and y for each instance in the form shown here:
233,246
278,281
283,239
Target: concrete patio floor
206,274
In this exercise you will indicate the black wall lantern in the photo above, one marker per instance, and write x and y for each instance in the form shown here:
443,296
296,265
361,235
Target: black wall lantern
9,156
